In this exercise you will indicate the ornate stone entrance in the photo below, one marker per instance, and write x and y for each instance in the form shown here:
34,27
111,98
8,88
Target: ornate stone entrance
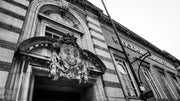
45,66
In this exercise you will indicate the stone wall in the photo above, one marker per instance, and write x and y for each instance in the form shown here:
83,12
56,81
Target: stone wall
12,17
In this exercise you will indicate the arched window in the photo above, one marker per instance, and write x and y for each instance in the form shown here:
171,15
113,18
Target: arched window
165,85
150,82
55,22
54,18
126,78
175,83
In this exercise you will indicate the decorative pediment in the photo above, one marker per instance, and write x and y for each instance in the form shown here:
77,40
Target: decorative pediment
67,59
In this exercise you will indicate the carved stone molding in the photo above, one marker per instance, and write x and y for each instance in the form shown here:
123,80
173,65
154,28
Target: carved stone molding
61,15
67,59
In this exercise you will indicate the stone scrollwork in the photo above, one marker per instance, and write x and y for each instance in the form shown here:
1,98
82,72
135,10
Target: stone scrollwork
67,59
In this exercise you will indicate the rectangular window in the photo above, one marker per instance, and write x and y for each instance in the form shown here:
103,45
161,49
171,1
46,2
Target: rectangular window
51,29
125,77
50,32
56,34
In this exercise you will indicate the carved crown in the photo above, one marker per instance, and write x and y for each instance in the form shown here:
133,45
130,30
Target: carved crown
68,38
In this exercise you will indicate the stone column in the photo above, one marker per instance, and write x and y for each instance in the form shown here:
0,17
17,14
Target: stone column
98,91
25,84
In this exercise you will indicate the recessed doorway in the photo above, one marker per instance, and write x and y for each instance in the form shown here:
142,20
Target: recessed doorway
47,95
62,90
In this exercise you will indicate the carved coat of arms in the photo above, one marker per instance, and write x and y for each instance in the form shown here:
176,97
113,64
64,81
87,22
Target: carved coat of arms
67,63
70,54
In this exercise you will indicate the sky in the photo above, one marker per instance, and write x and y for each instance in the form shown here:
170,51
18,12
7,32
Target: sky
157,21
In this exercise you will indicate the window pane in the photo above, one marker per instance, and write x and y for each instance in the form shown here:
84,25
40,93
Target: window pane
121,69
48,34
56,37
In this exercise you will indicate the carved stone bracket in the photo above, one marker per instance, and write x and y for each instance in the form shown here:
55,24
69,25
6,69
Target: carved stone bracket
67,59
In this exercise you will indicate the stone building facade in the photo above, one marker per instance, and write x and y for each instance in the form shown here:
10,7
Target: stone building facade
66,50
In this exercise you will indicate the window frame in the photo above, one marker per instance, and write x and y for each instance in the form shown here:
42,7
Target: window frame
151,83
161,73
175,83
120,56
48,23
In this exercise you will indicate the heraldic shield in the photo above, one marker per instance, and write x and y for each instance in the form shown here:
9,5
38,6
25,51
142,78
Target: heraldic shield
67,60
